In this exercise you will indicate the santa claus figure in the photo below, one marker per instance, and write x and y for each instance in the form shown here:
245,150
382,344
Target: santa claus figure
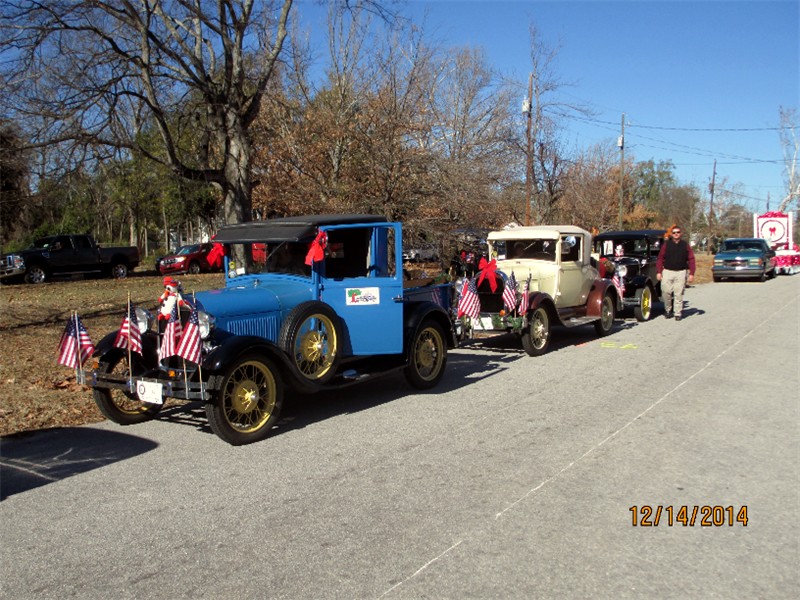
170,298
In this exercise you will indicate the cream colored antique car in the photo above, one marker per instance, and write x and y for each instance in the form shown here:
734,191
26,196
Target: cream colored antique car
556,284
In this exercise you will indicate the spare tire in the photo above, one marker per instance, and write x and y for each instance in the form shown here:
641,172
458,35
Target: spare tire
311,337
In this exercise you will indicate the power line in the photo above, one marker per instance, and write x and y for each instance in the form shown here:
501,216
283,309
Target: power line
707,129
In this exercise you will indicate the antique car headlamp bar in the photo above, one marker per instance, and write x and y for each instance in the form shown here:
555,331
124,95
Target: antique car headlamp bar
145,319
207,324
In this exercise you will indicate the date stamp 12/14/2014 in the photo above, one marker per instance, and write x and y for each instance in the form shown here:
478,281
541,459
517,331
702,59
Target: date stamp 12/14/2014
688,516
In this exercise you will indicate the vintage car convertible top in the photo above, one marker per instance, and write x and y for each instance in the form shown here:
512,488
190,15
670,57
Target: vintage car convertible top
309,302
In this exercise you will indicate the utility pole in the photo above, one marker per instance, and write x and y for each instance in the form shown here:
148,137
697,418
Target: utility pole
711,203
528,109
621,144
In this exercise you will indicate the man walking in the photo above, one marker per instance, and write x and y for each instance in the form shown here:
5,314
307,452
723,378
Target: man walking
674,259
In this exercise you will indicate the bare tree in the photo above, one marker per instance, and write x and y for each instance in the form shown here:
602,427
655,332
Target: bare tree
94,73
791,150
547,155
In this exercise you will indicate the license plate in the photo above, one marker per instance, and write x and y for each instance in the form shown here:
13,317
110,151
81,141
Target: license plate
150,391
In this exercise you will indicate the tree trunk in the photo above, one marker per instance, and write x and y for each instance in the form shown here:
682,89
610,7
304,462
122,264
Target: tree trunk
237,201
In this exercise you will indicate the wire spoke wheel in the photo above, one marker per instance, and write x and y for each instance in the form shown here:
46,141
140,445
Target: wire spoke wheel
427,356
607,315
311,338
644,308
249,397
313,347
119,405
248,403
536,336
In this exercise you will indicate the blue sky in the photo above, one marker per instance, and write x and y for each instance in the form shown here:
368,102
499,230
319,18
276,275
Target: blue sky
674,68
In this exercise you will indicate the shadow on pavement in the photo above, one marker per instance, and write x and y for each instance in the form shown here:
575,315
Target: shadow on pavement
33,459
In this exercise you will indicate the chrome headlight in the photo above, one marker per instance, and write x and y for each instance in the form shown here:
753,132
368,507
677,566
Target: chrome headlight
622,270
144,318
207,323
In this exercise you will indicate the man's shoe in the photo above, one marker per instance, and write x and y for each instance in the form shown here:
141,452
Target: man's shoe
669,315
678,318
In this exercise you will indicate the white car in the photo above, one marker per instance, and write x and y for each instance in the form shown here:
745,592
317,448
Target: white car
556,284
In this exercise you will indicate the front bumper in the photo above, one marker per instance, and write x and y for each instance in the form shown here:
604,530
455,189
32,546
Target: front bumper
12,265
173,269
12,272
738,272
151,389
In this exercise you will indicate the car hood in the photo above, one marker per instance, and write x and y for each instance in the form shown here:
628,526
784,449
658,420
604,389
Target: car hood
738,253
249,298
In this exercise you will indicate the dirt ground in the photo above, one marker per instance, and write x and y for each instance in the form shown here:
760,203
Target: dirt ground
35,392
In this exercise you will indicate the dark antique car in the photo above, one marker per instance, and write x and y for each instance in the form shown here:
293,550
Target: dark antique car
632,255
309,303
744,258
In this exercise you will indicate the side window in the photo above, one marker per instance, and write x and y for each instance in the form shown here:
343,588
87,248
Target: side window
574,253
381,258
82,242
347,253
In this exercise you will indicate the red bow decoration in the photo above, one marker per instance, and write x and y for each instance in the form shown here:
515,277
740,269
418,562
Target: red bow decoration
488,269
316,250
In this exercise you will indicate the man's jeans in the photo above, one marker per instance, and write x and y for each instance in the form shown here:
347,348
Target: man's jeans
672,286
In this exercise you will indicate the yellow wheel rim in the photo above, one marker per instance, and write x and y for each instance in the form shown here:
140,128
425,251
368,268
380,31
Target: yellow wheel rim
428,353
315,346
249,396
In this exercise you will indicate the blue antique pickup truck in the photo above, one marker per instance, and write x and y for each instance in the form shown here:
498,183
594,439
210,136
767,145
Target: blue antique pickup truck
309,303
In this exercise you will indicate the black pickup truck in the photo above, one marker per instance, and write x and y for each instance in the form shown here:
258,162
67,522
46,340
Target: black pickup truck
59,255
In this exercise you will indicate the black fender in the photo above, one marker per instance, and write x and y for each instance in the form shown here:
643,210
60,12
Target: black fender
639,282
234,347
149,348
600,288
413,315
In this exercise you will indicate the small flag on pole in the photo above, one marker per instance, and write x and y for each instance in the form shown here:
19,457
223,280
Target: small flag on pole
189,348
523,302
619,284
129,335
76,347
469,304
510,293
172,333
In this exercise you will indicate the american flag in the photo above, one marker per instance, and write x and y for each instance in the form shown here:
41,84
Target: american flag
469,304
619,284
76,347
172,334
523,302
510,293
129,335
189,348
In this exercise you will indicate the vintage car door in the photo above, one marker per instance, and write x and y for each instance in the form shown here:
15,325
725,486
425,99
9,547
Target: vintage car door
363,284
574,280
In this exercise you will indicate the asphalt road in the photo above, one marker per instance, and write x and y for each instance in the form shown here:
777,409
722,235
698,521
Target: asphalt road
514,479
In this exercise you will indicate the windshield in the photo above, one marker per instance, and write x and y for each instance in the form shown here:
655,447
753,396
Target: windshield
741,245
188,249
44,242
273,257
621,247
525,249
